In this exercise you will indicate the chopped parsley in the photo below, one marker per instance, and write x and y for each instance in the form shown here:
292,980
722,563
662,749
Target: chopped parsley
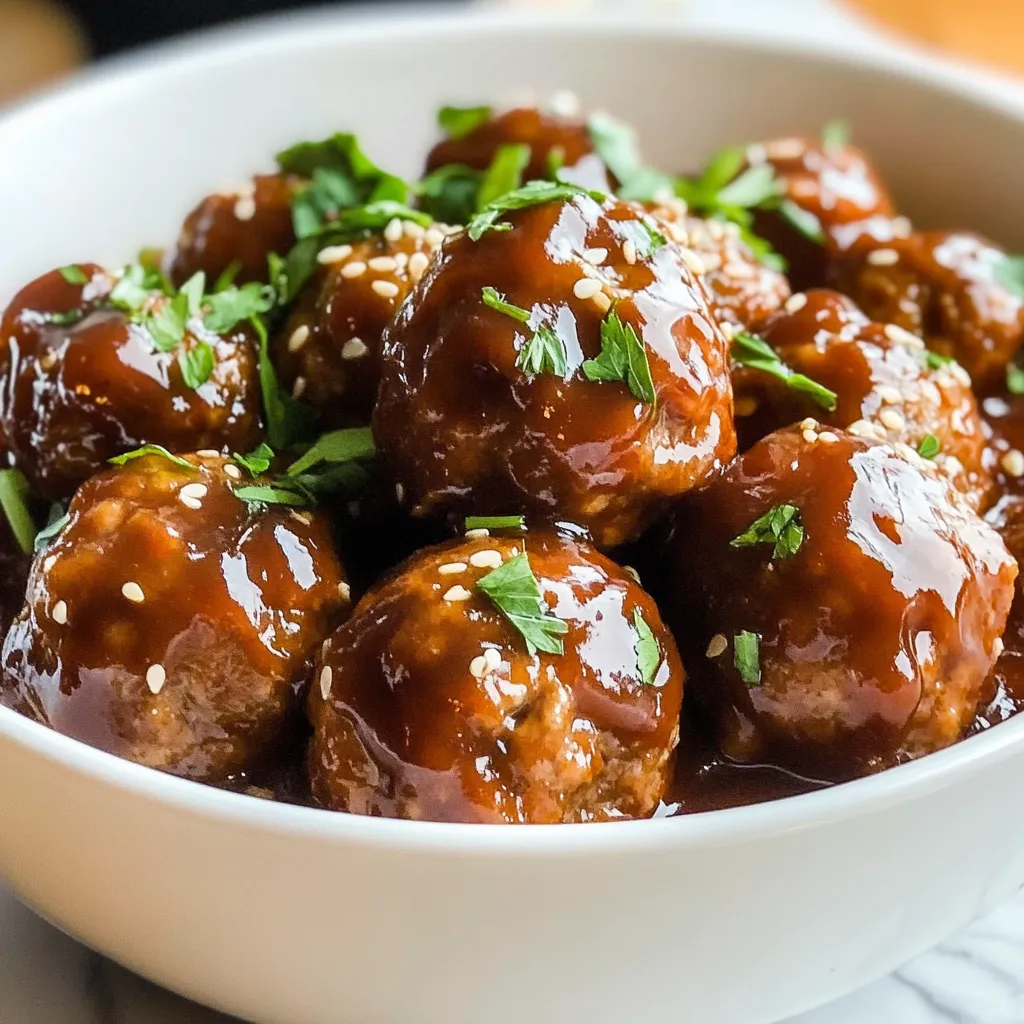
615,143
747,657
533,193
648,653
543,351
803,220
929,446
151,449
936,360
623,358
14,495
1015,379
835,134
196,364
779,526
1009,272
229,306
337,446
74,275
497,301
458,122
449,194
495,522
515,592
58,520
750,350
504,175
257,461
268,494
288,420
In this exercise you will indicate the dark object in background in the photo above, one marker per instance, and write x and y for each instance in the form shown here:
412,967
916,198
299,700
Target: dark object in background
119,24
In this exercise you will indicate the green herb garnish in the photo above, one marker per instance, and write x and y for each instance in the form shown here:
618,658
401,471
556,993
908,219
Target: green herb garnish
615,143
497,301
623,358
1014,379
515,592
747,657
543,351
449,194
458,122
935,360
750,350
257,461
73,275
835,134
268,494
337,446
14,495
648,653
929,446
803,220
504,175
196,364
1009,272
779,526
152,449
226,308
533,193
58,520
288,420
495,522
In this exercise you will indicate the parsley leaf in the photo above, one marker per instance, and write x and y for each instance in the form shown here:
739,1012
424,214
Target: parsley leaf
166,323
257,461
648,653
835,134
936,360
1014,379
228,307
288,420
747,657
533,193
458,122
544,352
59,519
623,358
14,495
779,526
494,299
504,175
337,446
449,194
1009,272
515,592
929,446
151,449
803,220
196,364
268,494
750,350
495,522
615,143
74,275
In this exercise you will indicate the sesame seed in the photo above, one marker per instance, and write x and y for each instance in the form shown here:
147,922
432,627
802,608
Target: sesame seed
717,646
901,336
401,260
474,534
393,232
586,288
60,613
433,237
883,257
595,257
192,503
892,420
354,269
414,230
998,646
737,270
450,568
478,667
299,387
629,252
49,562
344,591
746,405
156,676
457,593
233,471
399,493
861,428
333,254
492,658
385,289
133,592
693,261
386,264
1013,462
418,263
828,437
602,301
564,104
326,678
48,360
245,208
196,491
300,517
299,338
960,374
810,436
890,395
354,348
795,302
809,424
489,559
729,330
901,226
208,453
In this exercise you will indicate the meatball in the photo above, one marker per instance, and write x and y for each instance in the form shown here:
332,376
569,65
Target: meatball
170,622
837,185
886,386
328,352
944,287
1003,415
239,226
742,291
429,704
566,367
82,380
844,605
553,140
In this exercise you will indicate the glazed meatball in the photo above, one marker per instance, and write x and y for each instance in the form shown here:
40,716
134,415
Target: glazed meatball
328,352
837,185
536,402
944,287
843,604
170,622
886,387
549,136
81,380
428,703
240,226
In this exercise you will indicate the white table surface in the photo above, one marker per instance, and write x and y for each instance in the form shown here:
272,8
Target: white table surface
976,977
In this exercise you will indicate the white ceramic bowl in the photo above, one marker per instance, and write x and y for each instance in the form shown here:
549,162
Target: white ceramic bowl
291,915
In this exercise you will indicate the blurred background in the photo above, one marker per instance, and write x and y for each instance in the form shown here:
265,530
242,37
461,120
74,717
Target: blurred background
40,40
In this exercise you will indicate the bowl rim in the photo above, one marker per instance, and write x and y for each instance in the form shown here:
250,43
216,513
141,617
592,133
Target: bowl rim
751,823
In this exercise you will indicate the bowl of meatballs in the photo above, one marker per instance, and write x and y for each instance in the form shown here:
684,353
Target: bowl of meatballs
470,554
